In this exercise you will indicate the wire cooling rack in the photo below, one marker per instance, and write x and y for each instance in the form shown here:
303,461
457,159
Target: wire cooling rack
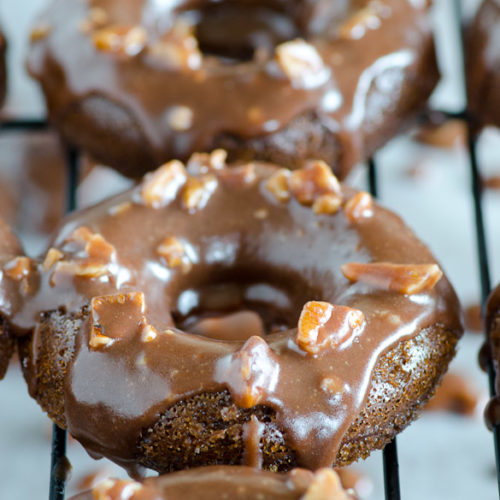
59,463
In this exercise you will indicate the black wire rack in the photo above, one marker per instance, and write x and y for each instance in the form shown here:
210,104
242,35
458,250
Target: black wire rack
59,462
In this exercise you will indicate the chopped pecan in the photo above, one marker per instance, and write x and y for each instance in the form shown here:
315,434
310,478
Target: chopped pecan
402,278
180,118
250,373
39,32
359,206
326,485
277,184
160,187
327,204
314,180
113,317
123,40
149,333
19,268
198,191
53,255
110,489
81,269
323,325
332,385
204,163
302,64
174,253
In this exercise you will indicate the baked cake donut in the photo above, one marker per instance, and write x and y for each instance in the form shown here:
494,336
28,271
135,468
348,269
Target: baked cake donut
212,311
483,64
141,82
222,482
13,270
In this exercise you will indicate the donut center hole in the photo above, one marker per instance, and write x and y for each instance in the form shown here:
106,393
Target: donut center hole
235,311
240,32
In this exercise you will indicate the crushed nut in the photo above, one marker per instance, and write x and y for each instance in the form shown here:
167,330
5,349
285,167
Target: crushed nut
113,317
204,163
149,333
81,269
39,32
198,191
332,385
19,268
312,181
53,255
177,49
116,488
180,118
402,278
277,184
359,23
327,204
323,325
160,187
124,40
174,253
326,485
302,64
359,206
250,373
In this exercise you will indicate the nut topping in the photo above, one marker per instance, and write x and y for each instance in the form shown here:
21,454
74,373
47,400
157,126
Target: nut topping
160,187
39,32
180,118
250,373
204,163
327,204
359,206
119,489
123,40
302,64
277,184
19,268
113,317
53,256
402,278
97,18
313,181
198,191
326,485
323,325
174,253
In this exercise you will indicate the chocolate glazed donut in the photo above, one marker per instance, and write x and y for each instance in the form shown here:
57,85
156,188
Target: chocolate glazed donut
483,64
245,315
140,83
217,483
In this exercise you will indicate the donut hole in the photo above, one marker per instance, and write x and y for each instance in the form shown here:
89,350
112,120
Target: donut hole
238,32
226,308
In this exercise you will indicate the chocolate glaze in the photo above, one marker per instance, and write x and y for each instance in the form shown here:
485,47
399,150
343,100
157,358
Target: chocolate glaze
378,67
483,64
273,256
217,483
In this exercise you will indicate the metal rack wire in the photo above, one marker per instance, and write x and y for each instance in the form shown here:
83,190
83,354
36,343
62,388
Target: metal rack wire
59,461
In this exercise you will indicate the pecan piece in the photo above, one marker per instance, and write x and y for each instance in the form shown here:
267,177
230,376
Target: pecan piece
203,163
314,180
277,184
53,255
402,278
123,40
250,373
19,268
327,204
323,325
113,317
174,253
198,191
302,64
359,206
326,485
160,187
110,489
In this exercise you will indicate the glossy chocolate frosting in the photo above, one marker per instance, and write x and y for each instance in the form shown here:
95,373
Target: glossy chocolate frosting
160,74
217,483
483,64
336,280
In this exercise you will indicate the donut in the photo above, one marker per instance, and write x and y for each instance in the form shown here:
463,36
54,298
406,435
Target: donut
279,81
11,262
220,482
217,309
483,64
